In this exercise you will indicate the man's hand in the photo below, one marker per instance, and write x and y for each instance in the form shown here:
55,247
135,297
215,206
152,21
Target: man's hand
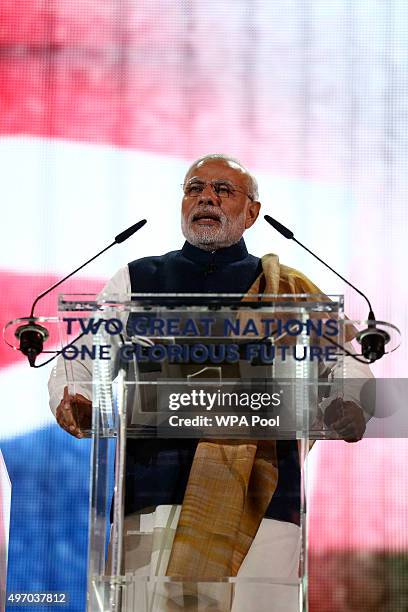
346,418
74,413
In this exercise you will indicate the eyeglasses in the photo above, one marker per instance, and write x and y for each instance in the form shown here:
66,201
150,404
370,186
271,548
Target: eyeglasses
222,188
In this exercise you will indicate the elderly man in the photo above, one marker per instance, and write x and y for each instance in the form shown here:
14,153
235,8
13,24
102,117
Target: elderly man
220,202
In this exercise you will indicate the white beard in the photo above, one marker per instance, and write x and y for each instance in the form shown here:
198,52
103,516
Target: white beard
213,237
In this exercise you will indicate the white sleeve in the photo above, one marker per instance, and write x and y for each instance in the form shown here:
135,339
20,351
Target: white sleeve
82,369
355,377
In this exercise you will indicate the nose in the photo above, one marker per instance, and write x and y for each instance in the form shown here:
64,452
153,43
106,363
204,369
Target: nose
208,196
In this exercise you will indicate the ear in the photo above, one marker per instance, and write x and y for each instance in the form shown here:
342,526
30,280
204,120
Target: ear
252,213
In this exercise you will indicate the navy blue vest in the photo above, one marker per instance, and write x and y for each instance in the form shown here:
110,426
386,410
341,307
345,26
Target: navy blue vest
158,469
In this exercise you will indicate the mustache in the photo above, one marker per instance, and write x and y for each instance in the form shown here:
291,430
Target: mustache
207,211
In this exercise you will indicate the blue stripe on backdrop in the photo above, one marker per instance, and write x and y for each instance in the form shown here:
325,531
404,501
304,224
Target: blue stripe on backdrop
49,471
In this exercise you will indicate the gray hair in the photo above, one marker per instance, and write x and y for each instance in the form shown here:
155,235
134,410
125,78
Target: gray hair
253,184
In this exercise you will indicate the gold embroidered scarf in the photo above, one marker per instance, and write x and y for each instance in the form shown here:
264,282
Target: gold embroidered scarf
231,482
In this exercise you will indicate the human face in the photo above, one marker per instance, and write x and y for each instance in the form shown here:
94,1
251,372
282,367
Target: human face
210,220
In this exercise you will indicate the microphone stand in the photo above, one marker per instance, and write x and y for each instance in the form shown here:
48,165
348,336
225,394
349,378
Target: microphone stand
372,340
32,335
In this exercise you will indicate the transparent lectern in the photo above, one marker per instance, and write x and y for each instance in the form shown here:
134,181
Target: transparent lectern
5,503
216,375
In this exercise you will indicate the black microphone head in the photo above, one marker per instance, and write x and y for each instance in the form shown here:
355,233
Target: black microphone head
287,233
372,341
127,233
32,337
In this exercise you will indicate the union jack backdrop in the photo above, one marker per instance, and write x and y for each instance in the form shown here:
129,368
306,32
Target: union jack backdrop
104,105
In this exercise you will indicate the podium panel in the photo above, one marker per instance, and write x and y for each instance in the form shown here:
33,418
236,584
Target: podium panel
204,398
5,504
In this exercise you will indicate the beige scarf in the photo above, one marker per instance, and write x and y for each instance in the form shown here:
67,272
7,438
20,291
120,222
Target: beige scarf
231,482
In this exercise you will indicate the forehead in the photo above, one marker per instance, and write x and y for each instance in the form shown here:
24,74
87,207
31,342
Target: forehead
212,169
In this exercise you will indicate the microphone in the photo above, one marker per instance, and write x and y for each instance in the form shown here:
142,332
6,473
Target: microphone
372,340
32,335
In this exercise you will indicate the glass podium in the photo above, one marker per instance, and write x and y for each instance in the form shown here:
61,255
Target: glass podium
192,398
5,504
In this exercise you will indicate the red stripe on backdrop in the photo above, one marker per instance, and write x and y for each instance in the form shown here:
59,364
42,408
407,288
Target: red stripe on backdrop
18,292
139,76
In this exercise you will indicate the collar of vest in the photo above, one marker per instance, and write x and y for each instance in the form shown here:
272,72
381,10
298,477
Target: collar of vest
235,252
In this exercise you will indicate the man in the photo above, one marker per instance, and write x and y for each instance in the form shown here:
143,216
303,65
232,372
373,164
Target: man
220,202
